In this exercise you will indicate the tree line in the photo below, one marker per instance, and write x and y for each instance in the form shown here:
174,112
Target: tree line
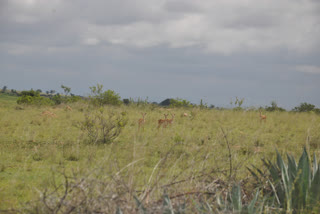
99,97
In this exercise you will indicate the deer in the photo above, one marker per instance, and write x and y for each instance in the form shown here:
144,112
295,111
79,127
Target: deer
262,117
68,108
163,121
141,121
49,114
170,121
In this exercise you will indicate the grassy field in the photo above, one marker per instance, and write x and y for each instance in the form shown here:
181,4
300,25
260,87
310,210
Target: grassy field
187,156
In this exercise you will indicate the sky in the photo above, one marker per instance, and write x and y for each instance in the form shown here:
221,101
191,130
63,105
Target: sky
215,50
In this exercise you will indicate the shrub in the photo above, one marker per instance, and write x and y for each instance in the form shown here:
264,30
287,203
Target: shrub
99,97
33,98
56,99
274,107
101,127
305,107
179,103
73,98
4,89
30,93
238,103
126,101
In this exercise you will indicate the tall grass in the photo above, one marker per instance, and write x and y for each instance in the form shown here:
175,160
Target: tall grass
190,158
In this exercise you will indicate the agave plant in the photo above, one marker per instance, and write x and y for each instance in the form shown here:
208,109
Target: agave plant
235,204
296,187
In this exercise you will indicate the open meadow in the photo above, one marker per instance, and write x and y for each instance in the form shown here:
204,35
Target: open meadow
203,151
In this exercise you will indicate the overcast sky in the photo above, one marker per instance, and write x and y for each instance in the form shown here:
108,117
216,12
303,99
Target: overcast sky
215,50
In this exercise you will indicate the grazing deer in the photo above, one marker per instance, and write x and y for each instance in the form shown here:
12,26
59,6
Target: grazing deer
185,115
262,117
49,114
170,121
163,121
68,108
142,120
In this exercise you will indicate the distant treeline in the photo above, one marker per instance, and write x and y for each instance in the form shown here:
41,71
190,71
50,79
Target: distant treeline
99,97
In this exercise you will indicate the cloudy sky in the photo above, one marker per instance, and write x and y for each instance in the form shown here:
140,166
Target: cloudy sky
215,50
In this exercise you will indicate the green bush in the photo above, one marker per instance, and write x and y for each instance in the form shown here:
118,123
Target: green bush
73,98
30,93
33,98
101,127
57,99
306,107
274,107
179,103
99,97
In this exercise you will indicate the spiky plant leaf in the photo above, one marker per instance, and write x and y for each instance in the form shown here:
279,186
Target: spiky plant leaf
274,171
119,211
209,207
275,183
315,166
251,206
292,168
260,172
204,208
314,195
167,205
236,198
287,185
258,175
303,181
140,206
275,193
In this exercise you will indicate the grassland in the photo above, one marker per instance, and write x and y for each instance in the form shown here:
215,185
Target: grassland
185,157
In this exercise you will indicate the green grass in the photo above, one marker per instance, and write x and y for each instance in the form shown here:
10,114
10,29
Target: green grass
33,146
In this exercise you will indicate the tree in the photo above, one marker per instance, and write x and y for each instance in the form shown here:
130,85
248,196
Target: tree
126,101
100,97
304,107
274,107
4,89
178,102
33,98
203,105
30,93
66,89
238,103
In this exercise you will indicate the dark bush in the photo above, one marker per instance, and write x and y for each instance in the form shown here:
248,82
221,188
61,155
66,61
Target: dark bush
305,107
274,107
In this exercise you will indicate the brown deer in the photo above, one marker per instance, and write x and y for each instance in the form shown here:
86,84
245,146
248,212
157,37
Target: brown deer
163,121
68,108
49,114
262,117
141,121
170,121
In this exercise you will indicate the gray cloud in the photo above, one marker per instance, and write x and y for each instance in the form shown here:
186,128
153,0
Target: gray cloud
213,50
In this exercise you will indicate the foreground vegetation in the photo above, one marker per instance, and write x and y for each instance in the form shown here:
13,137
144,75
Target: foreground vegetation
92,157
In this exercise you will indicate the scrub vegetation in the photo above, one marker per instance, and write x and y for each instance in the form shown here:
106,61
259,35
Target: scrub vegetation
69,154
